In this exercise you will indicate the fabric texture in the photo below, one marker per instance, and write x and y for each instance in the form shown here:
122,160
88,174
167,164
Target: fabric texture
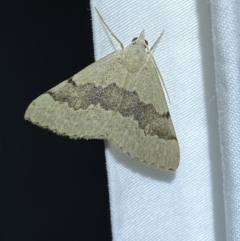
226,38
148,204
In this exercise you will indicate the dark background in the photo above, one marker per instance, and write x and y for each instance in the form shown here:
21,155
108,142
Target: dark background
52,188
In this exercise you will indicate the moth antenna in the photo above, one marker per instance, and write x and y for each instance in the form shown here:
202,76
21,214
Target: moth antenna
156,42
159,73
109,29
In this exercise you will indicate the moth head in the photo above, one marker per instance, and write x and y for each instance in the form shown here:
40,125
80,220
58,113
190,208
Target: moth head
140,39
136,53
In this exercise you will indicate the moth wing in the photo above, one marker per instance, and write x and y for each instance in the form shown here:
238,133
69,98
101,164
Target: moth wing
105,101
146,132
65,109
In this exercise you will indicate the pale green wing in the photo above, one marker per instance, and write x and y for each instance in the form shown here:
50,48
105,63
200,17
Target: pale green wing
105,101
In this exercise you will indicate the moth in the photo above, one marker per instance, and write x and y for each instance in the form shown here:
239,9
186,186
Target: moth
118,98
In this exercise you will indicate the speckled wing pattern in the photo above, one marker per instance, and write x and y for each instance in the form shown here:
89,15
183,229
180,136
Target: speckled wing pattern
118,98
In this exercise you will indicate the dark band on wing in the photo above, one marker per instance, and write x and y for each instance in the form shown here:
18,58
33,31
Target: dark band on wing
115,98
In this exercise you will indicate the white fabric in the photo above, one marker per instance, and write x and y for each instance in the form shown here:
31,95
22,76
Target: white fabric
226,37
148,204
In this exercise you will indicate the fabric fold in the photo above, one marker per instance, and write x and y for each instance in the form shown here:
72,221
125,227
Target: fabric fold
226,41
148,204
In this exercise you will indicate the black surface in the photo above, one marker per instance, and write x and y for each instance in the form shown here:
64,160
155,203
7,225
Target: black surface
52,188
